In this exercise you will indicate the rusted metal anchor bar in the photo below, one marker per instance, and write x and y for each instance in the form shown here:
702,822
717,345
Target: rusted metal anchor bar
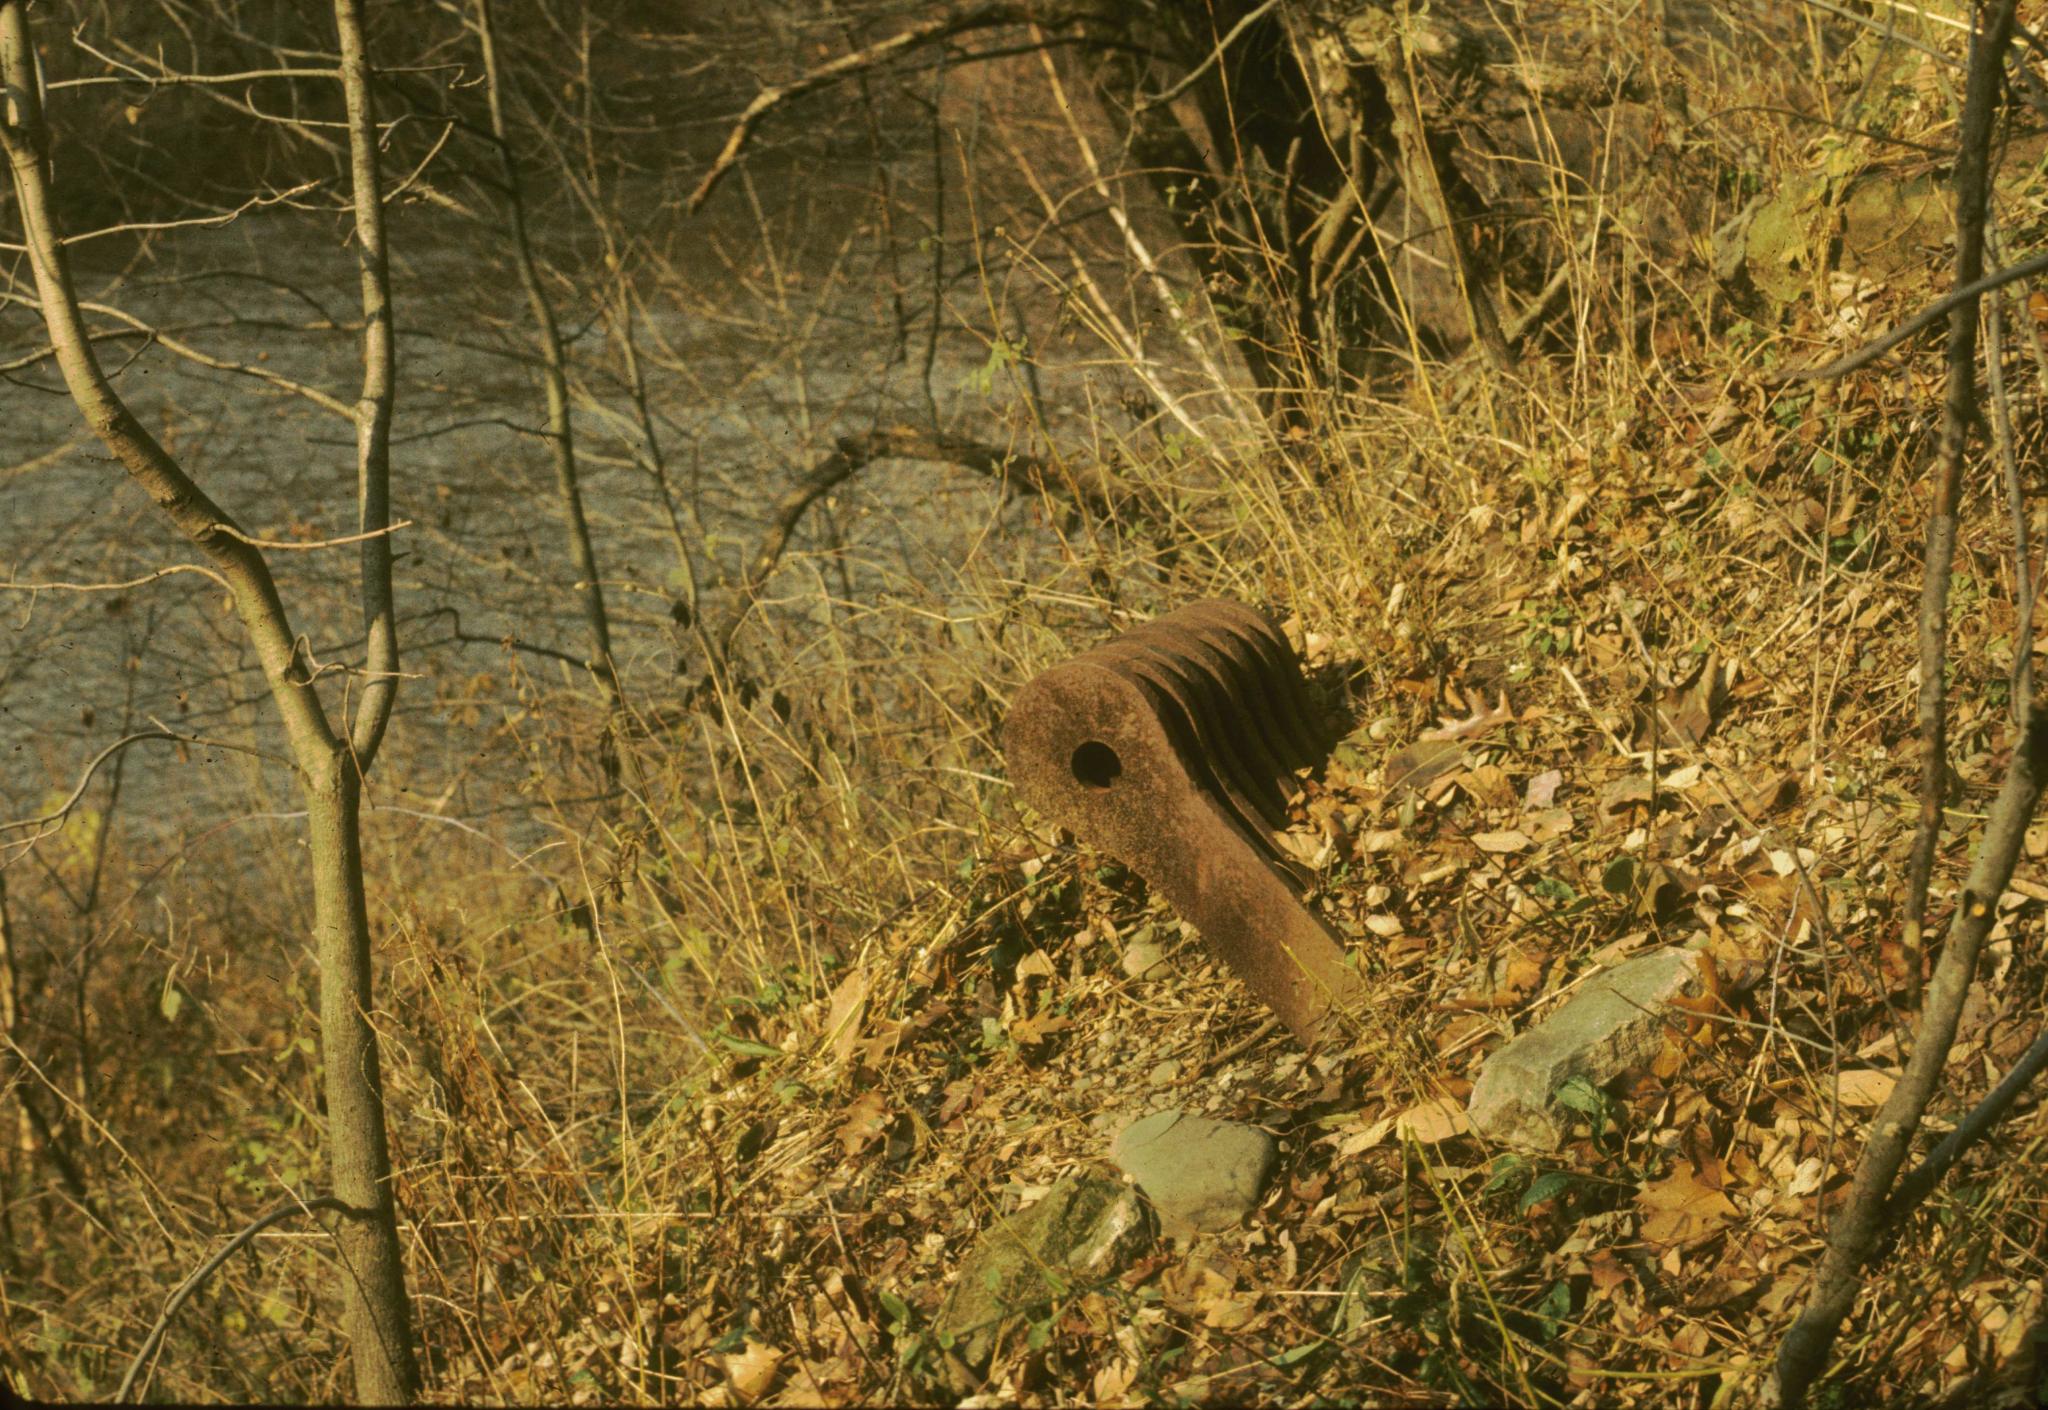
1172,748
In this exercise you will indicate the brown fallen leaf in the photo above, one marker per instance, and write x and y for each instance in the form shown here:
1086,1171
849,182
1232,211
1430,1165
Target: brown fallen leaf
1230,1314
1682,1209
1608,1272
752,1370
1438,1119
1031,1031
1113,1383
842,1018
1687,713
1770,797
1477,723
1866,1087
866,1118
1625,793
1423,763
1195,1284
1512,840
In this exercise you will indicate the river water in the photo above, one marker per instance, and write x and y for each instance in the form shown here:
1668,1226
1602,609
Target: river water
777,337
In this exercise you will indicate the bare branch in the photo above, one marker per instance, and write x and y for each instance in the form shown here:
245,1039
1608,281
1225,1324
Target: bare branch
508,641
1803,1353
199,1275
1919,322
561,434
200,569
228,217
185,350
190,508
1193,75
2021,681
294,545
935,30
1918,1185
1015,472
49,822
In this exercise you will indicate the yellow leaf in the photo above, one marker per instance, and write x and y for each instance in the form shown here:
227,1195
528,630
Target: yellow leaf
842,1020
753,1370
1437,1119
1866,1086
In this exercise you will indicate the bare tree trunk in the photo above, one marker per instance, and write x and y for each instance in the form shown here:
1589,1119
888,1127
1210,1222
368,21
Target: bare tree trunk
554,375
376,1314
374,406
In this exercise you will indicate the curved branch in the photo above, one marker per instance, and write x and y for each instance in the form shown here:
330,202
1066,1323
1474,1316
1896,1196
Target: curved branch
1015,472
1193,75
935,30
25,139
376,399
508,641
295,546
1920,1183
205,1270
55,818
1919,322
137,327
200,569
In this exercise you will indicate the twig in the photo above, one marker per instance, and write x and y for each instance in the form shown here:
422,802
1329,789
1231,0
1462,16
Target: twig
295,546
1134,243
137,327
1803,1354
205,1270
50,821
1188,80
1235,1050
174,568
1959,411
936,30
1916,1186
2022,678
1014,471
1926,318
63,809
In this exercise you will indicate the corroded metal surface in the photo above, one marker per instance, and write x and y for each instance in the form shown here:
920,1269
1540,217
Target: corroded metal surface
1172,747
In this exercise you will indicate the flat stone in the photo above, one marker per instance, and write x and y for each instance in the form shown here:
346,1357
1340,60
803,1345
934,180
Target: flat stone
1614,1023
1085,1230
1201,1174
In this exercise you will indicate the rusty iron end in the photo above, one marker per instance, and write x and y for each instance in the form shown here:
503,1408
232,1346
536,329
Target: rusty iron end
1172,747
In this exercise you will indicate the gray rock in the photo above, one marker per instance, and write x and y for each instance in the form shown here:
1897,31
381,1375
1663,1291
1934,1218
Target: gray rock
1201,1174
1084,1230
1615,1022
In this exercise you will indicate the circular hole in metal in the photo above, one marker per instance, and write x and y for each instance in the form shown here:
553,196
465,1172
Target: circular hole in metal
1096,764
